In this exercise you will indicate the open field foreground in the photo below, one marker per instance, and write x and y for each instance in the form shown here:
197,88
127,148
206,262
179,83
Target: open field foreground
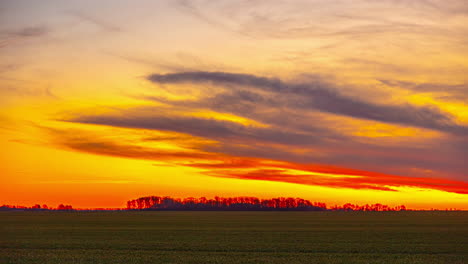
234,237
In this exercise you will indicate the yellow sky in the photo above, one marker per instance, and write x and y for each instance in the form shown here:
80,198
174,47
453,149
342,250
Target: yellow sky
102,102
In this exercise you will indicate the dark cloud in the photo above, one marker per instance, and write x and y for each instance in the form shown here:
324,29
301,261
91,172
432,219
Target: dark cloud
207,128
320,96
29,32
421,161
299,143
10,37
86,142
220,78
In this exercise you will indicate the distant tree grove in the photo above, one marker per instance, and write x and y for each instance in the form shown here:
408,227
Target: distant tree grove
220,204
247,204
60,207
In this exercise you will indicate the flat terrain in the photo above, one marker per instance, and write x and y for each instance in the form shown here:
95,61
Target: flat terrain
234,237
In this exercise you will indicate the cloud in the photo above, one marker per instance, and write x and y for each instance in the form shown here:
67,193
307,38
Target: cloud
290,122
85,142
320,96
29,32
228,166
10,90
324,18
96,21
440,90
200,127
383,182
293,142
189,7
10,37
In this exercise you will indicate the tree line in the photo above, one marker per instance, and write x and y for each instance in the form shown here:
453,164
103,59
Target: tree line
37,207
247,204
220,204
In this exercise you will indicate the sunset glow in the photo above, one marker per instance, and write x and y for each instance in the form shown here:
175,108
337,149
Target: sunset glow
337,102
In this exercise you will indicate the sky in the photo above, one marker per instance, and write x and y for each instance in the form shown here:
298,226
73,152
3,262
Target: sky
333,101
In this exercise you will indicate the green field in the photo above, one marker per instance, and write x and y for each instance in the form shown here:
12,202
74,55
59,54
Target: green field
234,237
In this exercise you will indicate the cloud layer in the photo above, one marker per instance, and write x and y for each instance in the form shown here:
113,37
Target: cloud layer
248,168
319,96
289,121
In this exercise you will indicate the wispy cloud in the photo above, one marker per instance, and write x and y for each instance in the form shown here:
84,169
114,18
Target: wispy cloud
15,36
323,18
457,92
98,22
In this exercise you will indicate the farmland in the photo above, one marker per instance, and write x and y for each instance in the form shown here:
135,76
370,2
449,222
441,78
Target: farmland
233,237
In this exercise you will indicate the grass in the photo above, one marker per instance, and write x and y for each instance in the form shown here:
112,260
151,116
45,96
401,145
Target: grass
234,237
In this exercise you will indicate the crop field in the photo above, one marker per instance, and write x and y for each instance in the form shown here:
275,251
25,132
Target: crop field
234,237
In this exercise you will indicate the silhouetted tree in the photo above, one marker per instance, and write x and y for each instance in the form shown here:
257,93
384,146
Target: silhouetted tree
64,207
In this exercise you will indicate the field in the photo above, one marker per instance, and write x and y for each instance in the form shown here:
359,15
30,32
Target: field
234,237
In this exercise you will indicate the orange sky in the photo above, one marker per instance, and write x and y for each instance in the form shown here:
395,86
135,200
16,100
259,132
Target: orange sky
331,101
